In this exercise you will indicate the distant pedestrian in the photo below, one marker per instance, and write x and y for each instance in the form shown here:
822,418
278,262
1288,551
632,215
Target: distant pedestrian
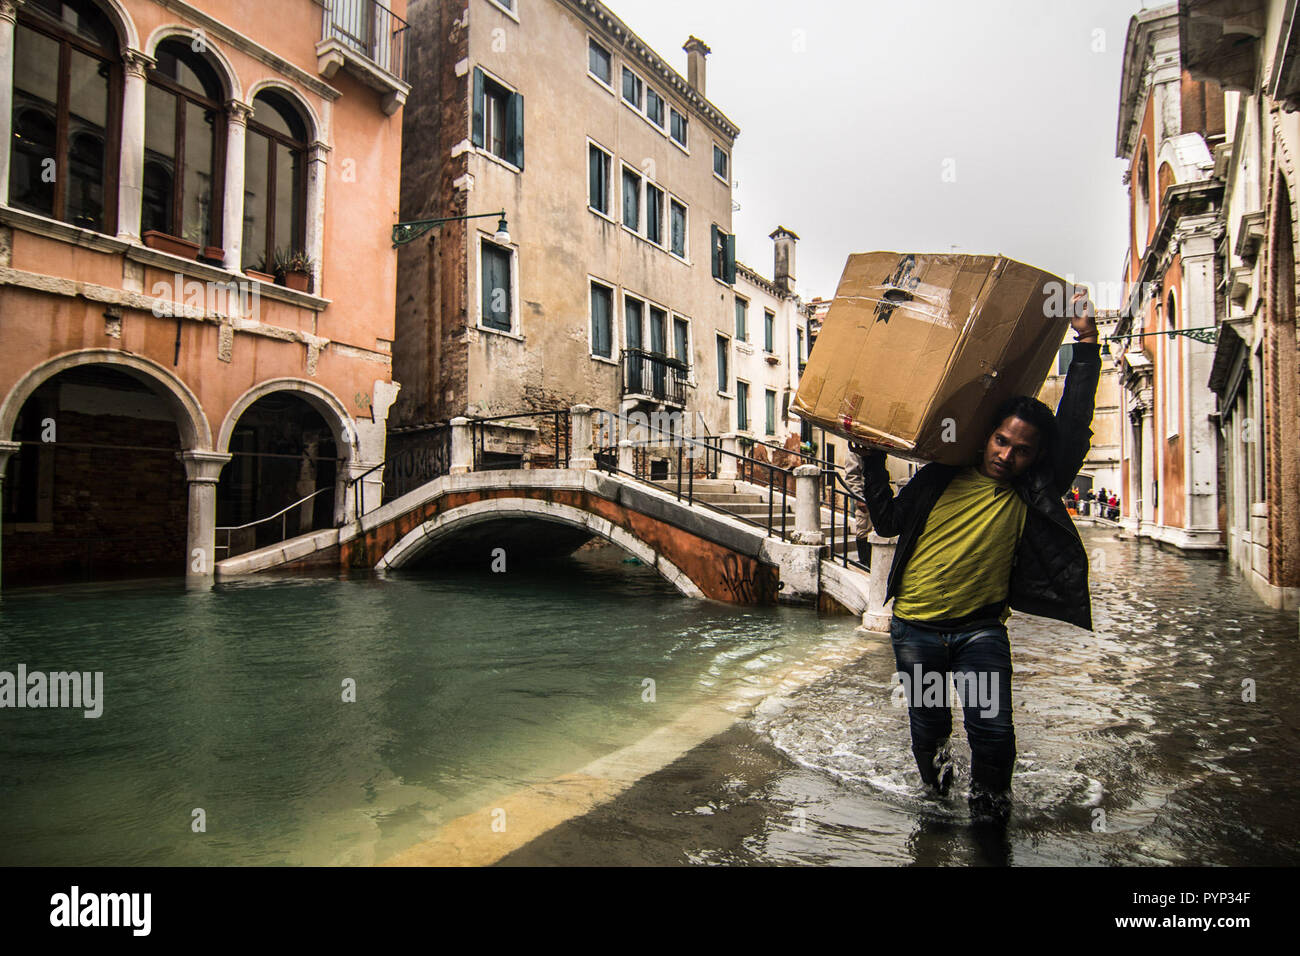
1114,507
862,517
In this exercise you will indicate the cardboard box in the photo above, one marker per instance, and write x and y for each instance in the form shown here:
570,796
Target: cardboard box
917,351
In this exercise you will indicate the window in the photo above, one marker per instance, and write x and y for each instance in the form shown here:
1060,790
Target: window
599,165
498,122
184,146
631,200
678,228
602,311
724,256
496,287
1170,368
742,320
659,346
654,214
679,127
721,162
654,108
769,331
742,405
632,88
506,4
682,339
799,345
633,313
600,63
724,349
275,182
66,113
769,402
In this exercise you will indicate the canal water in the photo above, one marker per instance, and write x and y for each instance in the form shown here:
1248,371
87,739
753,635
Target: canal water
1167,735
225,737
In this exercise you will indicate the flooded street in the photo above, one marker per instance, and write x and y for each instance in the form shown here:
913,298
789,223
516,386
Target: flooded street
1135,747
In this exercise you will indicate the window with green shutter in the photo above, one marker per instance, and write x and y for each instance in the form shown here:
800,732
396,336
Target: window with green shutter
742,405
654,214
498,120
602,309
681,340
678,236
770,401
496,289
599,163
769,331
724,255
742,320
724,380
631,200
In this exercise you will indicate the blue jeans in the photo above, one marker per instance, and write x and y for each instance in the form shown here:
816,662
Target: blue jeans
980,662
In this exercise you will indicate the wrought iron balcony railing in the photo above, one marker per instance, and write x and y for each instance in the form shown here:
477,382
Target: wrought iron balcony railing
655,376
371,29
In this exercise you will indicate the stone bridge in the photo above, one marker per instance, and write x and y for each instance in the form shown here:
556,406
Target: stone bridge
467,517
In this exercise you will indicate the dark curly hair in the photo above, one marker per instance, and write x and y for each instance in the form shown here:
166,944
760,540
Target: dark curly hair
1034,412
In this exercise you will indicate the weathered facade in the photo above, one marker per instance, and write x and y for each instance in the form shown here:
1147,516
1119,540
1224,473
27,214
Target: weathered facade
613,287
1169,123
157,378
1249,48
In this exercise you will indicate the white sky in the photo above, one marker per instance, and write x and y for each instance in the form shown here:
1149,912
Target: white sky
845,140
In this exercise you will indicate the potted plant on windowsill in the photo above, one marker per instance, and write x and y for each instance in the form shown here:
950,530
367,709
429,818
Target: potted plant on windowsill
173,244
257,270
293,269
745,443
809,448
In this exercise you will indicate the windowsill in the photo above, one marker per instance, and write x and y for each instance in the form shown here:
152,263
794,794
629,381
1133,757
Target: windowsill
681,259
684,149
743,346
512,14
606,361
726,395
137,252
517,336
505,163
603,215
607,87
724,284
721,180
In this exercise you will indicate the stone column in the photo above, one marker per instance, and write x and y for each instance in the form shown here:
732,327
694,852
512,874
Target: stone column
877,615
727,466
1147,518
807,505
8,17
627,456
202,470
462,447
7,449
315,238
232,207
130,166
581,455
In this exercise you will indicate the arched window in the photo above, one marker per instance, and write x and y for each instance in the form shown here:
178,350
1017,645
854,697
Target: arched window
184,146
1142,202
275,181
67,87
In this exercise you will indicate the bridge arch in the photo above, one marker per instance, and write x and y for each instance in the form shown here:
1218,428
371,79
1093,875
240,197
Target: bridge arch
423,537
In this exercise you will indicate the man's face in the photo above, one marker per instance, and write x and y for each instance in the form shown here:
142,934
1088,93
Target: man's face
1011,449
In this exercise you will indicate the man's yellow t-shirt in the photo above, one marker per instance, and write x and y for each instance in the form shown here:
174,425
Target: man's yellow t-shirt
962,560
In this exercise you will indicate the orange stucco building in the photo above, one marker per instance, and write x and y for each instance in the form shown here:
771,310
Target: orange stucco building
197,281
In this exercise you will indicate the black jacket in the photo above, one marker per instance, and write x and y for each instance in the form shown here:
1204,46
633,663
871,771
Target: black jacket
1049,574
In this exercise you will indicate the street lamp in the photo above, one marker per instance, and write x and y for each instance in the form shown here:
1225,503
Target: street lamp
404,232
1205,333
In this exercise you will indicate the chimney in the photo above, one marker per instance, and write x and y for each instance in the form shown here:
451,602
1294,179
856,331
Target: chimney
783,266
696,51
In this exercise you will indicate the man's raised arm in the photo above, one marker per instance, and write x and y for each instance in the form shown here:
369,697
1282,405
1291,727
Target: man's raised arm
1078,398
888,512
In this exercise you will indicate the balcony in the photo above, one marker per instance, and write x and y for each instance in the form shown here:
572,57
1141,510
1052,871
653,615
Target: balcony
368,40
654,377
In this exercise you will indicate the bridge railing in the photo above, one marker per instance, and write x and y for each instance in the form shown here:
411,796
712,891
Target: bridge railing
240,539
543,440
837,490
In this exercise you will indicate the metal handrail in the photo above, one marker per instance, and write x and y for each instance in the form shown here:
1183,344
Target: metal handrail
282,514
830,479
560,416
607,460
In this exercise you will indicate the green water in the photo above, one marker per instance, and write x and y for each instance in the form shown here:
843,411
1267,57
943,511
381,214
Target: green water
230,700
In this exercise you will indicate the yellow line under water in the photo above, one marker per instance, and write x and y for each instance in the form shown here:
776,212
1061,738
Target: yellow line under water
489,833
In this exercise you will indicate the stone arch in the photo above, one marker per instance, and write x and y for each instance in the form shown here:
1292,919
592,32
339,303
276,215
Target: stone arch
196,435
409,547
322,399
127,35
211,51
271,84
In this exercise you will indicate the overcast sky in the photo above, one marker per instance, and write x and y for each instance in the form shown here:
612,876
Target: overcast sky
851,113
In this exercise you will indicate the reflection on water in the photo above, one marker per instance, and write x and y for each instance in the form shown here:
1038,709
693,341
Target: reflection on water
468,686
1134,742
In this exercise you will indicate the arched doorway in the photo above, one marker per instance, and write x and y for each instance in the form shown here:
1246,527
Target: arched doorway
96,490
283,452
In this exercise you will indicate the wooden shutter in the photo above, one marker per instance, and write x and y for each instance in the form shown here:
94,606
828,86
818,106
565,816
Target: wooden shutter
477,129
515,129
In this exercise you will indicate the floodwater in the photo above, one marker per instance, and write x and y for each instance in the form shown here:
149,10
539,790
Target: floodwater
1166,736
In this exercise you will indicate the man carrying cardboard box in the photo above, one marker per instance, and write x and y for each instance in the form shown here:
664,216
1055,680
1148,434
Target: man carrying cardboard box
974,542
